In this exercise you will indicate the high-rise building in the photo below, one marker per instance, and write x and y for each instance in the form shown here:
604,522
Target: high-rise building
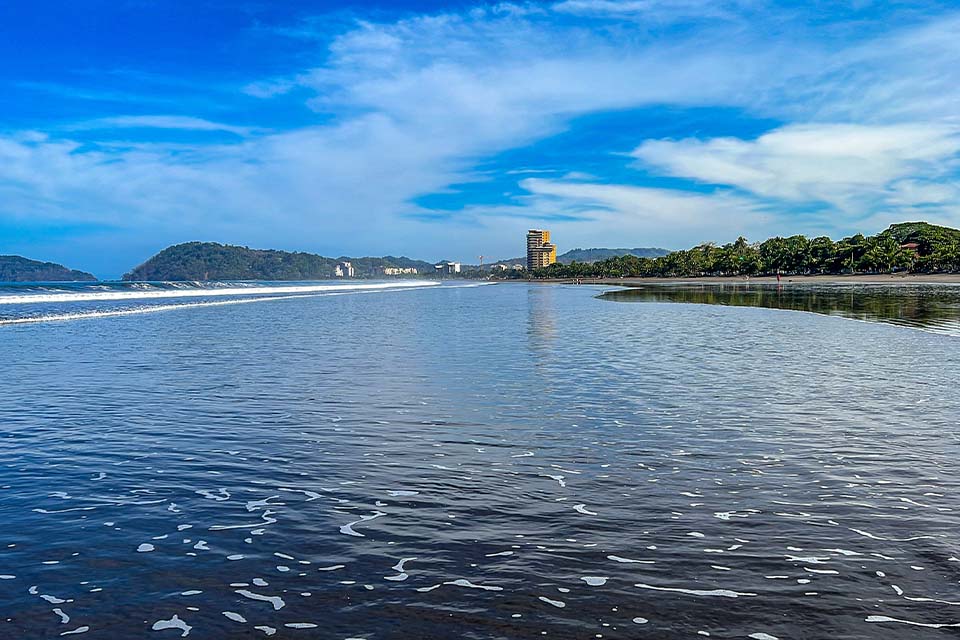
540,251
343,270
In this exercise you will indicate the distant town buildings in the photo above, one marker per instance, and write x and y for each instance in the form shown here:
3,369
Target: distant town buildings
499,267
447,267
343,270
540,251
399,271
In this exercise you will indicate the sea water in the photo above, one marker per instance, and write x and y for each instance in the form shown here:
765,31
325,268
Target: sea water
463,461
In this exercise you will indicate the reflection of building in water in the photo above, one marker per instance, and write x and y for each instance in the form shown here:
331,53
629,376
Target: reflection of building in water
540,251
541,324
343,270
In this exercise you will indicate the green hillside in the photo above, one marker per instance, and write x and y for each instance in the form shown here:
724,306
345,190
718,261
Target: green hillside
20,269
213,261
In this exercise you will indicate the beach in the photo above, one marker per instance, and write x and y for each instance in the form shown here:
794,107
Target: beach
882,278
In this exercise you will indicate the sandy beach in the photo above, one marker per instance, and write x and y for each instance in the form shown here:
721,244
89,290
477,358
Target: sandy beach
899,278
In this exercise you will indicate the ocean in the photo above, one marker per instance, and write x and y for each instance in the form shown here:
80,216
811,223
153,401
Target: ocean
465,460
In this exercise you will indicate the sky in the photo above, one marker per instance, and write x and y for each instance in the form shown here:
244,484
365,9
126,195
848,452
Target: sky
444,130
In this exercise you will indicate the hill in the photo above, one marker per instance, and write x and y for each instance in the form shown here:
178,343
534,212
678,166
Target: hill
595,255
214,261
20,269
927,236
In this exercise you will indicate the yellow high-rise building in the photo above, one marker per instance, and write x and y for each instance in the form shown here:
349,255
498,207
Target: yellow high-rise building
540,251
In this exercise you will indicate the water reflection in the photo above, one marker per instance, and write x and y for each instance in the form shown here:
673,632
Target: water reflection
541,323
930,307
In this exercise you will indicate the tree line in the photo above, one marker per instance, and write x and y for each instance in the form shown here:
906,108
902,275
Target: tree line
916,247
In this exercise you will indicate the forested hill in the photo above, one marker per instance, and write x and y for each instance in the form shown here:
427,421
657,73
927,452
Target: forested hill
19,269
593,255
213,261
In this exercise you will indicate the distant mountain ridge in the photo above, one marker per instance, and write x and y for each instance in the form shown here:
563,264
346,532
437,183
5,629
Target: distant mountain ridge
596,254
20,269
214,261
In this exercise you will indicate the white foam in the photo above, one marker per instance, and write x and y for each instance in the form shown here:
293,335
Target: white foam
762,636
276,601
199,292
629,561
582,508
469,585
595,581
873,537
64,618
76,631
236,617
173,623
929,625
146,547
722,593
347,529
556,603
88,315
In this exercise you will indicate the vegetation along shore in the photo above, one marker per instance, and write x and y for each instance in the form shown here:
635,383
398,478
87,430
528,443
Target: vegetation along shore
909,247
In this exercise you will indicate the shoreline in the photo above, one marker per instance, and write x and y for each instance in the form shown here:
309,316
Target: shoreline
883,278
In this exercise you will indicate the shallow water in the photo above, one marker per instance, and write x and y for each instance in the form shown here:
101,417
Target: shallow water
923,306
505,461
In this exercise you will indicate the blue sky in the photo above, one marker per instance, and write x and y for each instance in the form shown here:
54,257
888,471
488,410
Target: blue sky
446,129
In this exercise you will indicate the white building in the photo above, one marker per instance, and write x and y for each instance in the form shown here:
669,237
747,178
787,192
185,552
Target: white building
343,270
399,271
447,267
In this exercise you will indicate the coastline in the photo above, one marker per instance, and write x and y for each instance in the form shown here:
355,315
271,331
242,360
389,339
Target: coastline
883,278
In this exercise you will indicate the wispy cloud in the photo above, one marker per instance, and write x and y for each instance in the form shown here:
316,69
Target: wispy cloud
181,123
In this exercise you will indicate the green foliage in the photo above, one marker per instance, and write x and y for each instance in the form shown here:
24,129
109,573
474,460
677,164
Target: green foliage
212,261
595,255
937,251
18,269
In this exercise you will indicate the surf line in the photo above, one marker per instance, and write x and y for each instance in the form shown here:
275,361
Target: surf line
93,296
63,317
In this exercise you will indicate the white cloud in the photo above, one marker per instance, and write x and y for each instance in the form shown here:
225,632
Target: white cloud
653,10
854,168
642,212
183,123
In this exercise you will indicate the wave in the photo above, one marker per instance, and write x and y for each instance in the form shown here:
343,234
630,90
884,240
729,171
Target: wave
143,294
88,315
